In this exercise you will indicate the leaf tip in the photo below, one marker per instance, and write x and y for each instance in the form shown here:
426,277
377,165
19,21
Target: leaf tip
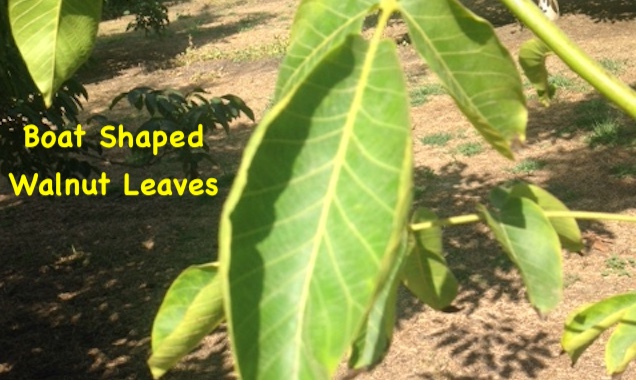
156,371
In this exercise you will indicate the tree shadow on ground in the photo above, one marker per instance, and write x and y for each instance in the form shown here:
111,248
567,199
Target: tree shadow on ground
207,363
497,344
575,175
82,278
579,175
118,52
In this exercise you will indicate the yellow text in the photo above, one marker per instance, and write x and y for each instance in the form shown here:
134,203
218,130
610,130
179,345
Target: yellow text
57,186
168,187
149,139
64,139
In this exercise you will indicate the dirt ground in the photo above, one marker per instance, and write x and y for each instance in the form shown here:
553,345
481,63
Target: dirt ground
82,278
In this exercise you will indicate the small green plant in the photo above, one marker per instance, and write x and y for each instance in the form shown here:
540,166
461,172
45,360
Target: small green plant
149,16
527,166
591,112
421,94
171,111
470,149
617,266
563,82
433,89
614,66
436,139
623,171
607,133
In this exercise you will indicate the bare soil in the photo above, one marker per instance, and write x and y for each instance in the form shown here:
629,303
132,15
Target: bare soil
81,278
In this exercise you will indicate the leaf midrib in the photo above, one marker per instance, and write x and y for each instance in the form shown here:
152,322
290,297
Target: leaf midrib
326,41
330,195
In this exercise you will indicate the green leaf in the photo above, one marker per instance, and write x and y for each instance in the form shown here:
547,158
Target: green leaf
532,57
426,273
319,26
527,236
374,339
55,38
567,228
585,324
191,309
476,69
311,227
136,97
498,196
238,105
621,347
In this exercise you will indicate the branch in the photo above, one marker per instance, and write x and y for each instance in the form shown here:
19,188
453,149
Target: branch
473,218
607,84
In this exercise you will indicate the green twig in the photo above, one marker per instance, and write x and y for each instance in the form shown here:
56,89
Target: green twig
607,84
452,221
591,215
472,218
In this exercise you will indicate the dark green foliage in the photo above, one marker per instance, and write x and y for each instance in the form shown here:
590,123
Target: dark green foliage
21,104
171,111
149,14
115,8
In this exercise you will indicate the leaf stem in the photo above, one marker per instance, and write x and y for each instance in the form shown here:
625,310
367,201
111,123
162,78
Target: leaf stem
591,215
472,218
387,8
607,84
452,221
